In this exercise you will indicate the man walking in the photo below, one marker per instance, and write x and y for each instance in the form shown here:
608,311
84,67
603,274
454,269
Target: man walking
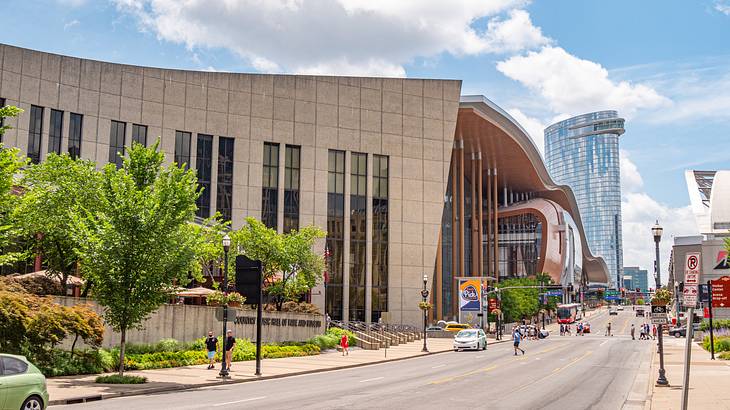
230,343
608,329
633,332
211,345
653,331
562,330
517,337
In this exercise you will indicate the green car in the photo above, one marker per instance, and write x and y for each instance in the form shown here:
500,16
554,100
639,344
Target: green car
22,385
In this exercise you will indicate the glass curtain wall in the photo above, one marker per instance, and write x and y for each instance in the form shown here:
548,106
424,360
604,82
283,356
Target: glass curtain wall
204,165
335,232
270,185
291,188
380,237
224,197
358,238
520,241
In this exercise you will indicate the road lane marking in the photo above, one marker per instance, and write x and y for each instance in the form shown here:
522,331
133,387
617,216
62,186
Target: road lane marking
461,376
238,401
436,367
603,343
371,380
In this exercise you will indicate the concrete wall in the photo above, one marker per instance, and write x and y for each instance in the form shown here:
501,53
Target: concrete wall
187,323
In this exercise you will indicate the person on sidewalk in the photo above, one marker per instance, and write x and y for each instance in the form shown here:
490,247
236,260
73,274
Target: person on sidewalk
517,337
633,332
230,344
344,344
211,345
653,331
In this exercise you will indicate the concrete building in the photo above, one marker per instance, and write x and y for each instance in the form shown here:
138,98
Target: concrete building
582,152
407,177
636,278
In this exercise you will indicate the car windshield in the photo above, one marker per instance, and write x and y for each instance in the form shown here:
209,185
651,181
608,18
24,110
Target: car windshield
467,333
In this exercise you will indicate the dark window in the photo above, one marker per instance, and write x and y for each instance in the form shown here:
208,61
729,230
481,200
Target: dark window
380,237
35,132
335,232
12,365
75,127
2,120
139,134
182,148
224,199
204,165
270,185
358,223
291,188
116,143
55,132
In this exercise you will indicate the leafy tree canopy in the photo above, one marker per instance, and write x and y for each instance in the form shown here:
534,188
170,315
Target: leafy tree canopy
11,163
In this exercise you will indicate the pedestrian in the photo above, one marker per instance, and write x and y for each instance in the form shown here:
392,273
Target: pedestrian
642,334
653,331
211,345
230,343
327,320
516,336
344,344
608,329
633,332
562,330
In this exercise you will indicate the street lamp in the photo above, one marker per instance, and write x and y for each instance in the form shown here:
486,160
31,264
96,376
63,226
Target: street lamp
424,294
656,231
226,242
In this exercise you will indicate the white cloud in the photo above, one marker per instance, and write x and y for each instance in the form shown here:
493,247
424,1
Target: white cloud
339,36
572,86
534,127
70,24
723,7
639,213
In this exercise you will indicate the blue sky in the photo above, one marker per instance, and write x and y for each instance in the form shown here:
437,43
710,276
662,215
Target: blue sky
664,64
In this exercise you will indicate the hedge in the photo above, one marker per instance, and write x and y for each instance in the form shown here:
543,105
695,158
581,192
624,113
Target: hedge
716,324
722,344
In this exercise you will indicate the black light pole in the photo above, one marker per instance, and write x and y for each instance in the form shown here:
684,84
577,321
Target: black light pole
226,247
657,230
424,294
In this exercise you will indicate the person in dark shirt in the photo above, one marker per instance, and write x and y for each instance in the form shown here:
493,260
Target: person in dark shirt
230,343
211,345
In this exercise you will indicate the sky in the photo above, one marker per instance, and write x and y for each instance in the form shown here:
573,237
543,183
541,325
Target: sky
663,64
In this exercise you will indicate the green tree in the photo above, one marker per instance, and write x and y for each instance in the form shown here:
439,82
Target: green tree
519,303
11,163
140,242
208,249
290,266
55,189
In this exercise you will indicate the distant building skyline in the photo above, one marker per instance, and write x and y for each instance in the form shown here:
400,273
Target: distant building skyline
639,278
582,152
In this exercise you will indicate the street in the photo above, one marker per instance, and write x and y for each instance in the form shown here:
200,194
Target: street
569,372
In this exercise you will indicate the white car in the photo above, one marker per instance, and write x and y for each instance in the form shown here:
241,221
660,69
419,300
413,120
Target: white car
470,339
620,307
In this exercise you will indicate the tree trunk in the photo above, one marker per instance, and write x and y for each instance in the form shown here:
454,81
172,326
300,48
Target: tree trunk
73,345
121,351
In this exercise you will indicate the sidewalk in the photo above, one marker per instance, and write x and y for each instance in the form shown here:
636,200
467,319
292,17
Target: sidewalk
708,381
76,389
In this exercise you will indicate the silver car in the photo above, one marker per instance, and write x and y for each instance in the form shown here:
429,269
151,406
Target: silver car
470,339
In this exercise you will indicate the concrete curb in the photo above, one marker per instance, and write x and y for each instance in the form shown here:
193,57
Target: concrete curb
180,387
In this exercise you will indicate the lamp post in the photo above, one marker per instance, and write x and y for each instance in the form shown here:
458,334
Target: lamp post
656,231
424,294
226,242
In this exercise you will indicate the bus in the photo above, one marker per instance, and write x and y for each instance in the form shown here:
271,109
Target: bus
569,312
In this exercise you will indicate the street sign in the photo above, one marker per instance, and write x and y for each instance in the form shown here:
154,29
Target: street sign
689,295
704,291
721,292
692,269
554,293
659,320
658,310
612,298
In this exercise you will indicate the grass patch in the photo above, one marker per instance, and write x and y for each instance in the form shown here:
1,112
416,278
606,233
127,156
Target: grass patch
117,379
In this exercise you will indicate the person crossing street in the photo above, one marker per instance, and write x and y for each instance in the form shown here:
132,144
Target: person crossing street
517,336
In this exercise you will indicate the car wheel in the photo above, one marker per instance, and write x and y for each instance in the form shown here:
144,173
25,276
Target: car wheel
456,350
32,403
677,335
485,346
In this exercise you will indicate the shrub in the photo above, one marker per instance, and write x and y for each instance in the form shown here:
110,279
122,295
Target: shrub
64,363
722,344
724,355
716,324
336,331
117,379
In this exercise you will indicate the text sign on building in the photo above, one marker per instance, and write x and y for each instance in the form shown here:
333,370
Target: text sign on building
692,269
721,292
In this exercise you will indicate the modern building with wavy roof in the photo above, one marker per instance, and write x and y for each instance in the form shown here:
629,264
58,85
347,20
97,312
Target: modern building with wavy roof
408,177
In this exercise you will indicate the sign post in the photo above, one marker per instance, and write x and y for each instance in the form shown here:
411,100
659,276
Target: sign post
712,331
691,280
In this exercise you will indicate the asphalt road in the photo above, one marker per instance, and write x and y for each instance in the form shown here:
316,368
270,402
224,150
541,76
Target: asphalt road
570,372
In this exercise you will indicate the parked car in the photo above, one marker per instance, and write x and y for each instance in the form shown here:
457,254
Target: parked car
456,327
620,307
470,339
639,311
681,331
22,385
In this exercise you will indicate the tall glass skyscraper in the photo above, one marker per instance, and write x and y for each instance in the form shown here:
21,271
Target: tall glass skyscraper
582,152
